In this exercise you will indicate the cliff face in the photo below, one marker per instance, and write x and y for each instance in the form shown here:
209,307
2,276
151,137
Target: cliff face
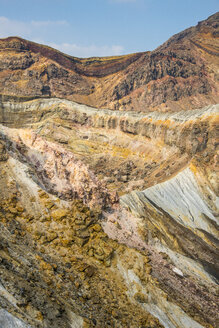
151,181
181,74
108,218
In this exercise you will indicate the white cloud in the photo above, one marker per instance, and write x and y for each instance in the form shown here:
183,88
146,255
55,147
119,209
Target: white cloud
9,27
39,31
88,51
48,23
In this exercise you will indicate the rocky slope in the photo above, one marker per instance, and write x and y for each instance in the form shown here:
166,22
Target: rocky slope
181,74
109,218
164,170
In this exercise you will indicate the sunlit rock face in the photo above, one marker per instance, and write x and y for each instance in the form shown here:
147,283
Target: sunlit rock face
180,74
150,181
9,321
183,213
109,218
56,170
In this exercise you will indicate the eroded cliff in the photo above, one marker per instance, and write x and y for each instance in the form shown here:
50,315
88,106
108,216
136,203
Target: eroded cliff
180,74
109,214
114,212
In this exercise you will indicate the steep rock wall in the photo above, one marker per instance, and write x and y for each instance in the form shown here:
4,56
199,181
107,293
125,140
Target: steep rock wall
54,152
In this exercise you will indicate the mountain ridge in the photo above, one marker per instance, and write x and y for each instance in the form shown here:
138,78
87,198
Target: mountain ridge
180,74
109,208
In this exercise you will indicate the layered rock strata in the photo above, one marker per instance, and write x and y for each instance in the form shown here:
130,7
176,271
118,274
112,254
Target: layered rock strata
61,163
180,74
109,217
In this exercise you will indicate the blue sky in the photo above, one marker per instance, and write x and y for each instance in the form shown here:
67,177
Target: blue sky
87,28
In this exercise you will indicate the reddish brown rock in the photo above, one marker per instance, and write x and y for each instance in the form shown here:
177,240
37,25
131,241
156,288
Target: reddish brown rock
180,74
